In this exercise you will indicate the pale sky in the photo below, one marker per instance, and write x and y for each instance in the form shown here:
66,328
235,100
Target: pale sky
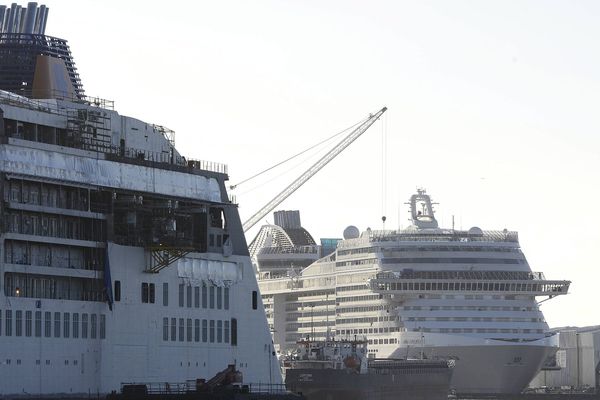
492,107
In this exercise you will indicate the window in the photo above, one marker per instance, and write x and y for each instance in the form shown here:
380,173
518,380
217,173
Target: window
219,331
93,325
212,330
165,328
204,295
204,330
27,323
47,324
181,295
38,323
165,294
254,299
188,296
56,324
75,325
18,323
144,292
233,332
197,296
8,322
212,296
188,327
219,298
152,293
226,331
181,329
84,326
173,329
117,290
66,325
196,330
226,298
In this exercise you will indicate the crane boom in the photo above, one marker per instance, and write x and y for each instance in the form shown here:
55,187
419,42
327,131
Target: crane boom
316,167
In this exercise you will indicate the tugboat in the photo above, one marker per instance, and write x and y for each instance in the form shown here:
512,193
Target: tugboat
342,370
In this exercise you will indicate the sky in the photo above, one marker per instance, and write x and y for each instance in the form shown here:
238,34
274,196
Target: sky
492,107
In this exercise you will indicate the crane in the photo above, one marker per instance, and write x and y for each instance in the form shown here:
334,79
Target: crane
316,167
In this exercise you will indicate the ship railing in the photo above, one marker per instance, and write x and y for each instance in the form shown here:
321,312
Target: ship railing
165,157
447,235
464,275
38,99
166,388
270,388
394,285
290,250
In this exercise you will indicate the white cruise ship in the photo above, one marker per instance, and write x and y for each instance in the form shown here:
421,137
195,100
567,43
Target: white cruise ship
120,260
423,292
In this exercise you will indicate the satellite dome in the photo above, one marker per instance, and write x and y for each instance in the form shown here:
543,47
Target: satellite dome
351,232
475,231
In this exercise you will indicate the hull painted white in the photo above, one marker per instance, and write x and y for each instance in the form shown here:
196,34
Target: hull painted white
482,365
133,349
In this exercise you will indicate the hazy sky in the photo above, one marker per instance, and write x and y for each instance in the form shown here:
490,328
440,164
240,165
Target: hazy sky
493,108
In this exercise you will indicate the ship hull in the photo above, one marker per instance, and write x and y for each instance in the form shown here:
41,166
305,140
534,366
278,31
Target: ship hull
491,367
332,384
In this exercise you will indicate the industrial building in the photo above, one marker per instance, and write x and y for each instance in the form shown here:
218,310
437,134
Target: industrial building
577,362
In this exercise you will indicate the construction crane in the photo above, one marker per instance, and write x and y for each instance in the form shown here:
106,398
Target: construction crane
316,167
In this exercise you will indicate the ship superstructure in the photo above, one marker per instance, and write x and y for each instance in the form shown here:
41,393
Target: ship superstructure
426,292
120,260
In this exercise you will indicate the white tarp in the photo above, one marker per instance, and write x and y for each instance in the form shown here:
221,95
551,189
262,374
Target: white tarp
218,273
98,172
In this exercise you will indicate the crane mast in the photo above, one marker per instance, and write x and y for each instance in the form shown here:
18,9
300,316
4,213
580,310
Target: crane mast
316,167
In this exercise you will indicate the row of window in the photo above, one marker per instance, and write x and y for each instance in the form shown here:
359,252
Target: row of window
206,296
39,362
474,286
53,287
370,330
65,325
213,297
476,330
474,319
486,249
366,261
366,331
197,330
455,260
469,308
60,226
53,255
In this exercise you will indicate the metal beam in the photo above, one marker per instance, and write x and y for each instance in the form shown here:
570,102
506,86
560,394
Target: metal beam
316,167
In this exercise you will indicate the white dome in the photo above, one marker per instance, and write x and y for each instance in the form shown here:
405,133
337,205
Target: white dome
475,231
351,232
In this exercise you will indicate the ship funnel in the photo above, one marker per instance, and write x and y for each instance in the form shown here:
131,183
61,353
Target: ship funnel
2,15
30,14
23,20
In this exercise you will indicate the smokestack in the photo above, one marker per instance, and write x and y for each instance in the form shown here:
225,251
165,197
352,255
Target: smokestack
22,12
38,20
11,18
30,18
2,14
44,21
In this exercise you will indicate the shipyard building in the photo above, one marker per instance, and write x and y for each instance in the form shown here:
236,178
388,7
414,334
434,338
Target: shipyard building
577,362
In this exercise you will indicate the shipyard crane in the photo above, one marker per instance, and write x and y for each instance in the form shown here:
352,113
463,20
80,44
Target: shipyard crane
316,167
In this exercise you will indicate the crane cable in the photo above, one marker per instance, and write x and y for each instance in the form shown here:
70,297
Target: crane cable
296,155
383,168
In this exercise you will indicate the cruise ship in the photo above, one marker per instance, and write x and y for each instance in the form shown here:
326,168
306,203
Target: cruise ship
419,292
120,259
